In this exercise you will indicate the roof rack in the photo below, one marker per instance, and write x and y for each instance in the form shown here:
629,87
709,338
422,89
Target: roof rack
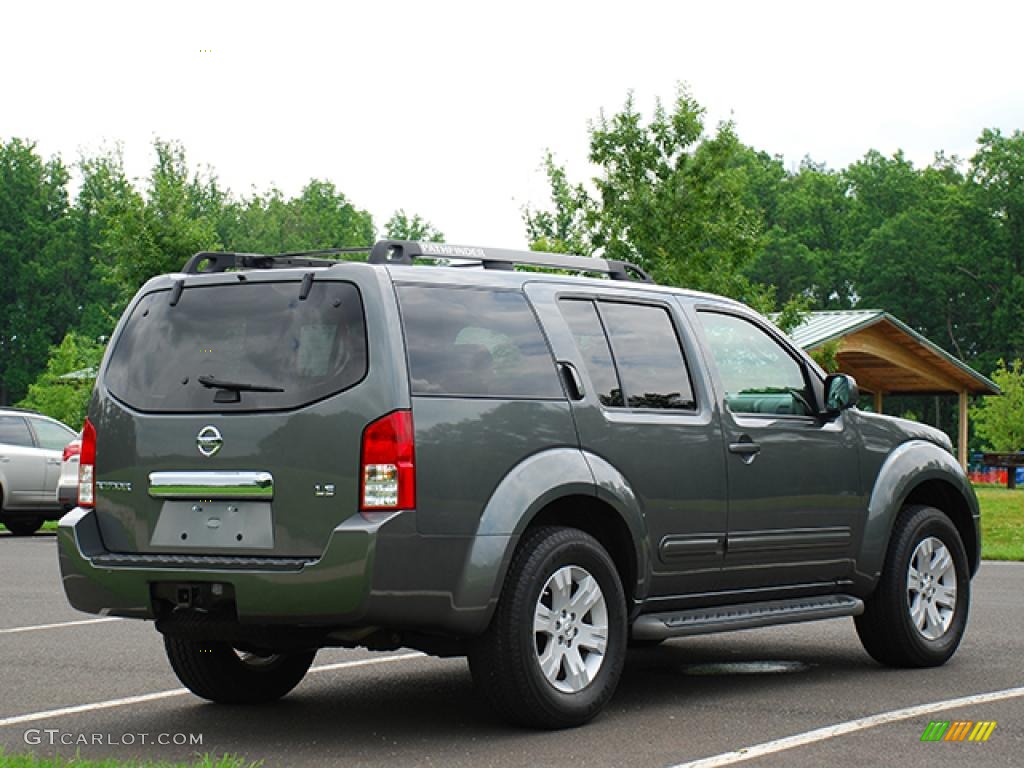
208,262
405,252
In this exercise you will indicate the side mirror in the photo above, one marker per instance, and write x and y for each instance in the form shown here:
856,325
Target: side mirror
841,392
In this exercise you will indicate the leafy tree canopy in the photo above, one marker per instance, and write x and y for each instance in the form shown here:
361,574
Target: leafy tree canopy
666,196
59,395
1000,420
402,226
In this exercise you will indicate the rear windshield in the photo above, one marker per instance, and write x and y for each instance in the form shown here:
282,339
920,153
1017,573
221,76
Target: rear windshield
236,338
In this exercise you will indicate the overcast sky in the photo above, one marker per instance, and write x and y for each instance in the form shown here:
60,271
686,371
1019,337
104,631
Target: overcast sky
445,109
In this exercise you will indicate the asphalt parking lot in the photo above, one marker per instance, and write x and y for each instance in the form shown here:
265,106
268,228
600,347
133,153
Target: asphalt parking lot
108,681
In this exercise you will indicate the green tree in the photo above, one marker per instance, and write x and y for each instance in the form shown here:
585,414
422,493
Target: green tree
806,249
64,397
104,196
666,197
993,230
320,217
909,262
1000,420
35,307
402,226
158,232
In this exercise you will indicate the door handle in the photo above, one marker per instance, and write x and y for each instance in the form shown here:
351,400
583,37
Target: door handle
745,448
53,461
573,381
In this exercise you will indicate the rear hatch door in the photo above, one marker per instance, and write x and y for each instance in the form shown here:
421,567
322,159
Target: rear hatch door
230,411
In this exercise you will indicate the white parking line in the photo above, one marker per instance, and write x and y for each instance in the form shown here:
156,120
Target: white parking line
14,630
111,703
851,726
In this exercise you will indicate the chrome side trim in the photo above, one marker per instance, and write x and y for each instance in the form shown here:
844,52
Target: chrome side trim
211,485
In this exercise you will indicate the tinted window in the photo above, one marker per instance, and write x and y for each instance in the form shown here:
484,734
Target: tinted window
648,357
756,372
593,345
475,343
14,431
52,436
255,333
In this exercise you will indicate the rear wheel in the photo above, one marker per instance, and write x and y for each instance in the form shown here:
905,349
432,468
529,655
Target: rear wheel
218,672
25,526
645,642
918,613
554,651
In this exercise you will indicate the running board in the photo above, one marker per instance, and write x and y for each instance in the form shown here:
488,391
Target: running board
725,618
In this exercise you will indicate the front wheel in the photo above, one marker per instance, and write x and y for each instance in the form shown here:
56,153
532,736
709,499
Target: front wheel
218,672
918,613
555,648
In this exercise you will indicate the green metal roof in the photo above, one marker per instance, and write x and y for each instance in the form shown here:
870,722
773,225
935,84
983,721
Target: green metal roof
819,327
827,325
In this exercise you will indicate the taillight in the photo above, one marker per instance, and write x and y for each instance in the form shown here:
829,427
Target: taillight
387,471
87,467
71,449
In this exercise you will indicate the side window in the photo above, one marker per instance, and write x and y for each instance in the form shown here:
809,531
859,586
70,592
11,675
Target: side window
475,343
648,356
52,436
757,374
643,367
585,324
14,431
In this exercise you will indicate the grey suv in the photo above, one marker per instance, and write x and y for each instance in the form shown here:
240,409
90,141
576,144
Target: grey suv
531,468
31,446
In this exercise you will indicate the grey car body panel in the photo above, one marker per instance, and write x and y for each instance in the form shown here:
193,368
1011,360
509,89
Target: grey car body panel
673,459
899,456
797,506
486,468
466,448
333,589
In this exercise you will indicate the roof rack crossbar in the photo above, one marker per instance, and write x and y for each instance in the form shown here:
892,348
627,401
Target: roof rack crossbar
209,262
405,252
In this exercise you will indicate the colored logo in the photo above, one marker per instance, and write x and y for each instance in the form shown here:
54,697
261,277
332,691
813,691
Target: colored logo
958,730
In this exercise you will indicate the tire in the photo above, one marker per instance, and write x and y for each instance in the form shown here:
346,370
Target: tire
215,671
646,643
553,567
24,526
897,627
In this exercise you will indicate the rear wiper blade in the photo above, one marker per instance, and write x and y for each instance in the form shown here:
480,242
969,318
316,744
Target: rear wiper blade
234,386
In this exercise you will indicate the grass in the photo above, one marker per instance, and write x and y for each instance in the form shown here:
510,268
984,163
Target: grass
201,761
1002,522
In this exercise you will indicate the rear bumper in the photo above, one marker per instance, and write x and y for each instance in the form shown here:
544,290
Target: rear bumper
378,573
67,495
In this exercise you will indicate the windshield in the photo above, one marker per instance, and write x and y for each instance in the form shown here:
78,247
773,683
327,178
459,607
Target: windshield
283,351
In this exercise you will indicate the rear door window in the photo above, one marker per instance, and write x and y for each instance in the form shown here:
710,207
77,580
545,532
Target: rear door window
14,431
252,334
648,356
643,366
586,328
475,343
52,437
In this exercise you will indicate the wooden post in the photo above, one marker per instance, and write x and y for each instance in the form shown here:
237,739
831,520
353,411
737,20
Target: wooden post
878,401
961,447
